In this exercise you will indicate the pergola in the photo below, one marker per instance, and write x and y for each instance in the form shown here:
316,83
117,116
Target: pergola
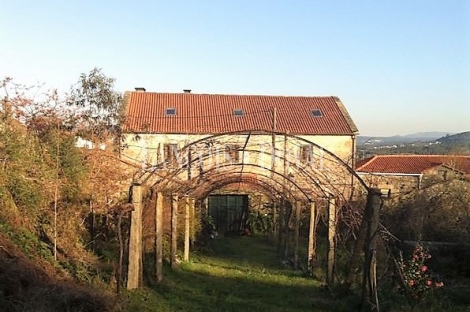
274,171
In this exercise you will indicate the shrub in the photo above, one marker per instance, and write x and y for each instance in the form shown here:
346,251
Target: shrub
417,279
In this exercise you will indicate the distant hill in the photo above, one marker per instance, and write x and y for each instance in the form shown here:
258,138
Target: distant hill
401,139
419,143
427,135
456,139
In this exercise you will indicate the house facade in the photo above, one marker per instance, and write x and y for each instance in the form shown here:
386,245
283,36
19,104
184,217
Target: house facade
400,174
159,124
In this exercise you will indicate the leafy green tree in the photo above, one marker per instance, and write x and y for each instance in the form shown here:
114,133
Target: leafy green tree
97,106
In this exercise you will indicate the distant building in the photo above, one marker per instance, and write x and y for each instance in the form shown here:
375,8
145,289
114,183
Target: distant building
398,174
84,143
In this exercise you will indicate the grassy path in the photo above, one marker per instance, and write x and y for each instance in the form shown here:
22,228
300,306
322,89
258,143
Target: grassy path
236,274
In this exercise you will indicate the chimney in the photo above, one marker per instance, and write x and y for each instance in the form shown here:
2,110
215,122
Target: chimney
140,89
187,90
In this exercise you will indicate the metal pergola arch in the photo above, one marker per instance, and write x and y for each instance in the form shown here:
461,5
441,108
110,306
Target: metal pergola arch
234,177
309,175
272,193
289,135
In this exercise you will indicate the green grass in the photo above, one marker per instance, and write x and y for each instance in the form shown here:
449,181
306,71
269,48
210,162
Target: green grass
236,274
246,274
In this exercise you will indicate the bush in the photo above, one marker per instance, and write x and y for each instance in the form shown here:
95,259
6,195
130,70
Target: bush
416,277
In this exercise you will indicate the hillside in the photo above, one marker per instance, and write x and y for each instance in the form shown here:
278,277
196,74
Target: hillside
48,265
58,227
34,284
400,139
413,144
55,208
461,139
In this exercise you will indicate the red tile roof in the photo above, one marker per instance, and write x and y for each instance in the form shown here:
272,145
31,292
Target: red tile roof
412,164
213,113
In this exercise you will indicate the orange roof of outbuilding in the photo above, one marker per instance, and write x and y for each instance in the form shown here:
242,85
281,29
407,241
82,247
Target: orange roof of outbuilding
214,113
412,164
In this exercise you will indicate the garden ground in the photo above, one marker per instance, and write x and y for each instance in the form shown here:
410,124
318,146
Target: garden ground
246,274
237,274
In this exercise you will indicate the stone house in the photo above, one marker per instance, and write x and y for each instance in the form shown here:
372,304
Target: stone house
265,138
174,119
400,174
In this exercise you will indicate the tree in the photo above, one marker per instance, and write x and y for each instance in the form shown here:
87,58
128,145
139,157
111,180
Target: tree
97,105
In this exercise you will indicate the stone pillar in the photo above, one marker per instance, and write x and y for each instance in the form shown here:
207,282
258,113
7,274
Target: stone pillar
159,237
186,229
298,209
312,238
331,240
174,230
135,239
370,300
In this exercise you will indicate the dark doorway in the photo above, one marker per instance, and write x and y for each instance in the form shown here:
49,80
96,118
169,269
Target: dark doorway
229,212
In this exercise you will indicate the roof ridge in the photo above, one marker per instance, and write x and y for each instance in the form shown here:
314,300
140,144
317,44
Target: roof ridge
232,94
367,162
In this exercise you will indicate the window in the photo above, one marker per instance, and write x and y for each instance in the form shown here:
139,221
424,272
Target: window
386,192
317,113
442,174
170,154
170,112
306,153
232,153
238,112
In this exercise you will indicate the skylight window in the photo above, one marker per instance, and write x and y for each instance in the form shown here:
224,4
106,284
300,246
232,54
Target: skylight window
238,112
317,113
170,112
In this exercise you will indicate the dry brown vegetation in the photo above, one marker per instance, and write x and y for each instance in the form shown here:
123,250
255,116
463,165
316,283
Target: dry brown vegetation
57,227
37,285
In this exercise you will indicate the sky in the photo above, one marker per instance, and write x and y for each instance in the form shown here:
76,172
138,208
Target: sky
399,66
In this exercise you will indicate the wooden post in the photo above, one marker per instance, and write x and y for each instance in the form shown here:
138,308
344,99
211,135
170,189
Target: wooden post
189,162
135,239
274,229
298,210
186,230
370,300
288,211
174,230
121,210
312,238
193,221
281,226
159,237
355,266
273,142
331,240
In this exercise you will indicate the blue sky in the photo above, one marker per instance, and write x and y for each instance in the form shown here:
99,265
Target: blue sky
400,66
